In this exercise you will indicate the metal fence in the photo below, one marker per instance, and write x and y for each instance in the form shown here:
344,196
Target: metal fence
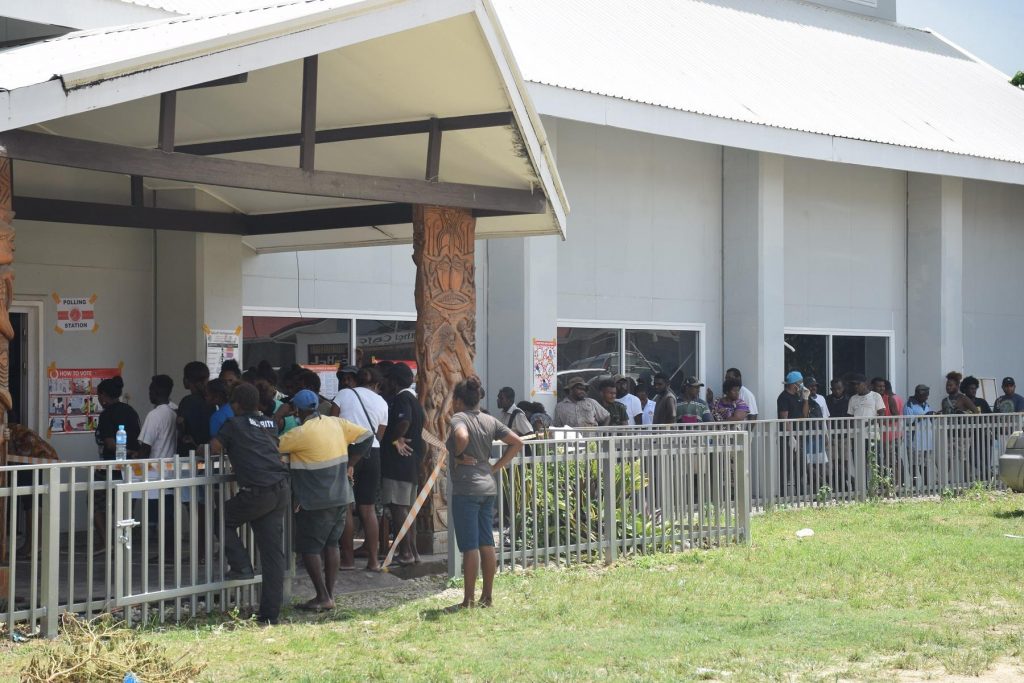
583,498
138,538
823,461
141,538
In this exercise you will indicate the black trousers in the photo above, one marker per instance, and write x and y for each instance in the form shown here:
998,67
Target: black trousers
264,509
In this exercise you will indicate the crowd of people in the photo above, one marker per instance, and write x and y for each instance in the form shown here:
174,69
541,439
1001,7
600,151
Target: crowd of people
293,451
357,455
614,400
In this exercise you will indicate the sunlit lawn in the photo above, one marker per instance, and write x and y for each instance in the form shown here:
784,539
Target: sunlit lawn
932,586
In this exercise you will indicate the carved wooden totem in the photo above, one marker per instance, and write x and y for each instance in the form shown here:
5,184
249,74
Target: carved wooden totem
443,242
6,330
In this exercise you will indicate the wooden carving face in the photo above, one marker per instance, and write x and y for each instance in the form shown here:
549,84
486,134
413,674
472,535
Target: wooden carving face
6,241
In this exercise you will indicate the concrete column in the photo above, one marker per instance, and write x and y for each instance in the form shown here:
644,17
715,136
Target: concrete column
935,278
522,304
198,281
753,286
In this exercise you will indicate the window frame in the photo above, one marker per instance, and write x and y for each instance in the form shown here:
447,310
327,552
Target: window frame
831,332
623,326
342,314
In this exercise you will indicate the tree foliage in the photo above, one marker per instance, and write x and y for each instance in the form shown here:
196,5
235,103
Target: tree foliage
1018,79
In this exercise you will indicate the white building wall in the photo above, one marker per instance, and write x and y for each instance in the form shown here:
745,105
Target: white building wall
371,279
644,234
845,251
993,244
115,264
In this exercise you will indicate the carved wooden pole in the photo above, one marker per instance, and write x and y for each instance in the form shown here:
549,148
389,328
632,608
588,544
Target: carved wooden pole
6,335
443,243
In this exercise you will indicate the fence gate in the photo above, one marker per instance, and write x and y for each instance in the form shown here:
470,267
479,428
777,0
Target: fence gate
168,562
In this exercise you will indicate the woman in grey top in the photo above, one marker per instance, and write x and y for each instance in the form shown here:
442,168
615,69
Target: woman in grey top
474,487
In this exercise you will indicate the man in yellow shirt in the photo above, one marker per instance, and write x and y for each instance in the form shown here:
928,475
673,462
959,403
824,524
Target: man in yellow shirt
320,449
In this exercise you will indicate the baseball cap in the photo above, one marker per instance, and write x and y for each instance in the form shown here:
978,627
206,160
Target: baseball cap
810,382
349,370
794,377
574,382
692,382
305,400
618,377
1008,380
925,387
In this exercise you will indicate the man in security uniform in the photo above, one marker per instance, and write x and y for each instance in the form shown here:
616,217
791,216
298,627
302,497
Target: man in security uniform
250,440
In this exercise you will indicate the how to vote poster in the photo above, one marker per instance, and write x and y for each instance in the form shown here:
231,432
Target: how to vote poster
73,407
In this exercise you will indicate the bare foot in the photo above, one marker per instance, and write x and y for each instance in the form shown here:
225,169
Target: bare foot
457,608
314,605
485,602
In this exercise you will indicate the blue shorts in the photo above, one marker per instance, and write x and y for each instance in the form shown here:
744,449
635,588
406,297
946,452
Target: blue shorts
473,517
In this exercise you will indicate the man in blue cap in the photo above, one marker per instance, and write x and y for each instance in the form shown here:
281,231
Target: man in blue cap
792,402
319,449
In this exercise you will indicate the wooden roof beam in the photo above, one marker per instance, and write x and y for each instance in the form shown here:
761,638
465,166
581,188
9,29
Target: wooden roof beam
376,130
150,163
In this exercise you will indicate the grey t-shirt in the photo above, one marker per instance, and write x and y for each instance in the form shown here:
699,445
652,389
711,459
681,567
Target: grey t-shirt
475,480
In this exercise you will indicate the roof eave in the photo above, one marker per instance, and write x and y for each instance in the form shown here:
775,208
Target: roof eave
605,110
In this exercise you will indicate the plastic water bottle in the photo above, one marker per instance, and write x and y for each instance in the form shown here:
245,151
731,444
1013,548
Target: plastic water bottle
120,444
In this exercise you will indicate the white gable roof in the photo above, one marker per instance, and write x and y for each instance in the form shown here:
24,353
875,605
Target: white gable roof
780,65
381,61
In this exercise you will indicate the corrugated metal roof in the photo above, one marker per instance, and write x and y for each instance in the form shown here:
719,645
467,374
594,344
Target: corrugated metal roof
199,7
82,57
779,63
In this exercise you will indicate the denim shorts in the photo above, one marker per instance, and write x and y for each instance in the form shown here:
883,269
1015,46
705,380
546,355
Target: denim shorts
473,517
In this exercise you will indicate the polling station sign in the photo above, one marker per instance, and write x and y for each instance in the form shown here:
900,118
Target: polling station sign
75,313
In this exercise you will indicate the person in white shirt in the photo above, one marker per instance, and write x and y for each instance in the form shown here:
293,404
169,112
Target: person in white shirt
812,385
634,411
360,403
159,439
159,435
646,404
511,415
864,402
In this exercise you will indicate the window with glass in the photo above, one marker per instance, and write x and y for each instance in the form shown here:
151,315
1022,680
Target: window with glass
828,356
596,352
393,340
284,342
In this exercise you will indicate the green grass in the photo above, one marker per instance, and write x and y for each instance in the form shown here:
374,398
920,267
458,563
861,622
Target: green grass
881,588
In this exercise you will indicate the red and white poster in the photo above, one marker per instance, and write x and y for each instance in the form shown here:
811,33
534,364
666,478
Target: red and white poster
75,313
72,403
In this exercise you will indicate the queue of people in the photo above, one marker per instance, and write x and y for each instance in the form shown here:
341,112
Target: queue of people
293,451
357,455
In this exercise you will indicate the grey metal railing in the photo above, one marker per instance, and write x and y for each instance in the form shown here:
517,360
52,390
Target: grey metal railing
138,538
583,498
823,461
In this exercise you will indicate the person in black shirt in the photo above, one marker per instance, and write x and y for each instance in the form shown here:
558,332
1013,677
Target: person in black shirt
837,401
970,387
250,440
401,451
193,411
114,415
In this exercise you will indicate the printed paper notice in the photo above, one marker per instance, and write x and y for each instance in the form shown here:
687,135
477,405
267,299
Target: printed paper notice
328,379
75,313
545,363
221,345
72,403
